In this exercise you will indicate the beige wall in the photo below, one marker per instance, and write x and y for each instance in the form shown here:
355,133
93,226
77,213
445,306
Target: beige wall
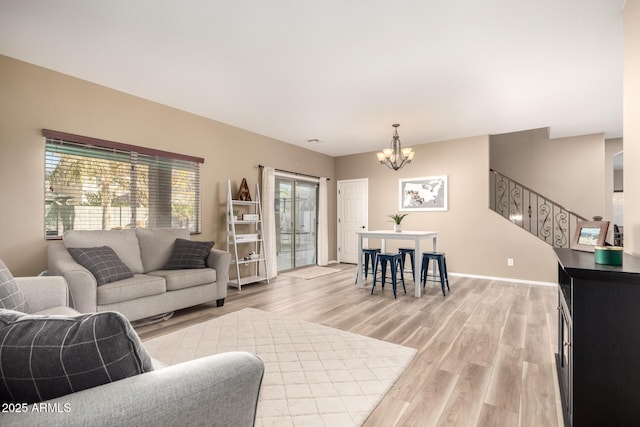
569,171
477,241
34,98
631,120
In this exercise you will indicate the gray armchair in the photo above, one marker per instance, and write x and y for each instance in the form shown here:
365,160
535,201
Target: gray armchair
46,295
218,390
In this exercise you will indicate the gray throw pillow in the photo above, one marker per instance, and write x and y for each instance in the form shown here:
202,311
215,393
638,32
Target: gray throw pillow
188,254
11,296
44,357
102,262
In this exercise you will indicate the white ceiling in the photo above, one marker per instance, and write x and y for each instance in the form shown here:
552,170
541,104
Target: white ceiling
343,71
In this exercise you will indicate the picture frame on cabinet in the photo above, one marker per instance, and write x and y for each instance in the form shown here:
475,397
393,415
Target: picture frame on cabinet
589,234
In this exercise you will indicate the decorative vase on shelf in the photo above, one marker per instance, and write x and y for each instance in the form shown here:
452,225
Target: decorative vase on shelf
397,228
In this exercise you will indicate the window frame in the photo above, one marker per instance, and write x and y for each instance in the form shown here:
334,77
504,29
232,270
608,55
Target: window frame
132,151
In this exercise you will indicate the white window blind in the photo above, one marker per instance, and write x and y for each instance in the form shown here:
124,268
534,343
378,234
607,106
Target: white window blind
93,184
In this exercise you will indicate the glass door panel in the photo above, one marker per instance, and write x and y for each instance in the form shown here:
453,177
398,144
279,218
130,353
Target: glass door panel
296,223
306,223
284,223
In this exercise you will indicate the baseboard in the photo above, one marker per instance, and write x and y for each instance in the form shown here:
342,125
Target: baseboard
504,279
501,279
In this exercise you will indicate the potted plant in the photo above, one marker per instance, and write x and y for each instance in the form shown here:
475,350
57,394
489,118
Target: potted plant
397,219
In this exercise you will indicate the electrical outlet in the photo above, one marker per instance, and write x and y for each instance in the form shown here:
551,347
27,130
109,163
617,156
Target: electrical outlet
510,262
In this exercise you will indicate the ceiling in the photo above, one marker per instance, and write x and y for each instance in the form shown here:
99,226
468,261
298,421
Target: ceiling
343,71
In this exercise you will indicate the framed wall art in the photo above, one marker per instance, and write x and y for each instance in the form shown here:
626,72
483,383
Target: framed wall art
428,193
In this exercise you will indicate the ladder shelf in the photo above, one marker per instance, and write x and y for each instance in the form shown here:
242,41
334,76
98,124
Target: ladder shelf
246,235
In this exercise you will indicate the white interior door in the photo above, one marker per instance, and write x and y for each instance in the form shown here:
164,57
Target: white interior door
353,208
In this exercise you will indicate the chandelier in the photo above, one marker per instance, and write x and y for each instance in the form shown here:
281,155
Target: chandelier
396,156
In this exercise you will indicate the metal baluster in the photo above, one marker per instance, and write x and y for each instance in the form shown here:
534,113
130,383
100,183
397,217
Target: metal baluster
553,221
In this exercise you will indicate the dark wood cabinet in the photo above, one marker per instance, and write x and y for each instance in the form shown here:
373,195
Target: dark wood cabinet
598,357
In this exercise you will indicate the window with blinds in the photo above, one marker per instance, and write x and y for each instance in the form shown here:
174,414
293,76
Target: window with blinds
93,184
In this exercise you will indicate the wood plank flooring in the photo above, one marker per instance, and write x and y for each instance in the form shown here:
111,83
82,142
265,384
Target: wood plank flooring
485,352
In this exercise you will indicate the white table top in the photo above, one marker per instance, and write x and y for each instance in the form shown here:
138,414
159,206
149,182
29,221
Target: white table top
397,234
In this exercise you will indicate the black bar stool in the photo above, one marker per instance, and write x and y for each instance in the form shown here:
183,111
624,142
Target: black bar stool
396,264
369,253
411,252
437,257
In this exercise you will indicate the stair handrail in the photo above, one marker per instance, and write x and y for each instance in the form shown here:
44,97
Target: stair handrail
535,213
495,172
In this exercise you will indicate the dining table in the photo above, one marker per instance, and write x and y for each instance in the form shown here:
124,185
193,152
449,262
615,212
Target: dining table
416,236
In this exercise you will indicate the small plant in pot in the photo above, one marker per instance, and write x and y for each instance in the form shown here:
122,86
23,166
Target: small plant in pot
397,219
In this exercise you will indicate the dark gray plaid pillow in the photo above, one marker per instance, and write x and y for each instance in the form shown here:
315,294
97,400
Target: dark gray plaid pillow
11,296
189,254
102,262
43,357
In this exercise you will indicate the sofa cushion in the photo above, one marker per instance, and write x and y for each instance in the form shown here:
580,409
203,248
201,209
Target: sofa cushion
11,296
102,262
188,254
156,245
140,285
43,357
123,242
180,279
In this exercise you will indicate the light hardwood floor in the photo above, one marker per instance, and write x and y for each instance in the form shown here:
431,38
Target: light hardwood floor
485,352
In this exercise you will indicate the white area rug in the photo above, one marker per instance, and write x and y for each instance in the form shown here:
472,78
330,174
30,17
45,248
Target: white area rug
314,375
311,272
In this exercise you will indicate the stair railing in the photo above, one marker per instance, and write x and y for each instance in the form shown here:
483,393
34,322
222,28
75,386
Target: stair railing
535,213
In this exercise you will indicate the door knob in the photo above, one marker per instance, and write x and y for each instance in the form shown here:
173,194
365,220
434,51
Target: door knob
363,227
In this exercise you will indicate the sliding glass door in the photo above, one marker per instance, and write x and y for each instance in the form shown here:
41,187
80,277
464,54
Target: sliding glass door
296,212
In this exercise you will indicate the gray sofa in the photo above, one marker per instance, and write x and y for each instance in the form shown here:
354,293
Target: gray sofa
152,290
219,390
